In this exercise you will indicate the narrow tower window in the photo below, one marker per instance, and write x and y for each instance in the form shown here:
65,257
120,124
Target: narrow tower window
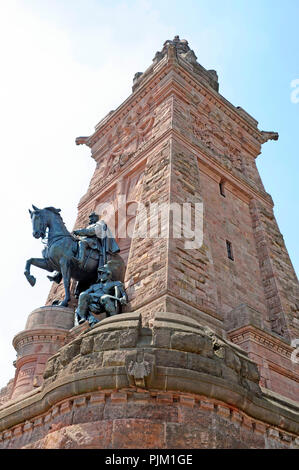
229,248
221,188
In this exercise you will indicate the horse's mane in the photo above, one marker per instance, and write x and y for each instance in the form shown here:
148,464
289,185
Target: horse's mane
57,212
53,209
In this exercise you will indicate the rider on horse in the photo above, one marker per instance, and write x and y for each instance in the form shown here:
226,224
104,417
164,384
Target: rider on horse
96,236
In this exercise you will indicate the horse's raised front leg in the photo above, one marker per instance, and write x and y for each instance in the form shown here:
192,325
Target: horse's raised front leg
39,263
66,275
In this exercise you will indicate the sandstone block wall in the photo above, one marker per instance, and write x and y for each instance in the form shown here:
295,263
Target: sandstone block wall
175,385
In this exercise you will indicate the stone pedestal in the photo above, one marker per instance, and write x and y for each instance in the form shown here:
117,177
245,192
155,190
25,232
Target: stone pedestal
45,332
177,384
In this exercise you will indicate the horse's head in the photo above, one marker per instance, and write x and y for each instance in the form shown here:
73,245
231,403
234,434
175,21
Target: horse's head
39,222
49,217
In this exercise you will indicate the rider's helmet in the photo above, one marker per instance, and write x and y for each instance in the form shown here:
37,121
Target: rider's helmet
104,269
93,217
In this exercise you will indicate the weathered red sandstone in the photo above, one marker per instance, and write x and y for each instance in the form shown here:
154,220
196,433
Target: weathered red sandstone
202,356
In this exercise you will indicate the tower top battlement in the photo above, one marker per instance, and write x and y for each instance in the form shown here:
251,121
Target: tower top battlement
183,51
180,49
176,66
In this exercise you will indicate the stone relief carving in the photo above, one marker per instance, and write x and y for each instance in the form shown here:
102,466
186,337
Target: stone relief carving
219,138
129,136
140,367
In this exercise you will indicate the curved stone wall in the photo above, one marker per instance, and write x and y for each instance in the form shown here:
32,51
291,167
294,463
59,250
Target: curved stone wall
173,385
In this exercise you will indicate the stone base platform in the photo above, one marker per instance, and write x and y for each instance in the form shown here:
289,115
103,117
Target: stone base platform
174,385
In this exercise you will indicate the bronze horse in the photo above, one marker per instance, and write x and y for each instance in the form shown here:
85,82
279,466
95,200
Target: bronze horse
60,253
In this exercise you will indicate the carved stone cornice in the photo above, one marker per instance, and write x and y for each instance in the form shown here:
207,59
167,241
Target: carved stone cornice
137,159
114,117
283,371
157,73
206,159
263,338
39,335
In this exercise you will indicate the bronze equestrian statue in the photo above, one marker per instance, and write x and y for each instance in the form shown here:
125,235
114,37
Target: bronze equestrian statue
62,250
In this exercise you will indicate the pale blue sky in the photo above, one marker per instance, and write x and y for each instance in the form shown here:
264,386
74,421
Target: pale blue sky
66,63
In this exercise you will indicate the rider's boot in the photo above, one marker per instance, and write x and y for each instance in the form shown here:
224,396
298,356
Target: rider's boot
92,320
81,254
80,319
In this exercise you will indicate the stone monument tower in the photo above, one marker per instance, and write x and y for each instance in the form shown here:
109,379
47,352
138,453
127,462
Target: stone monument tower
203,355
